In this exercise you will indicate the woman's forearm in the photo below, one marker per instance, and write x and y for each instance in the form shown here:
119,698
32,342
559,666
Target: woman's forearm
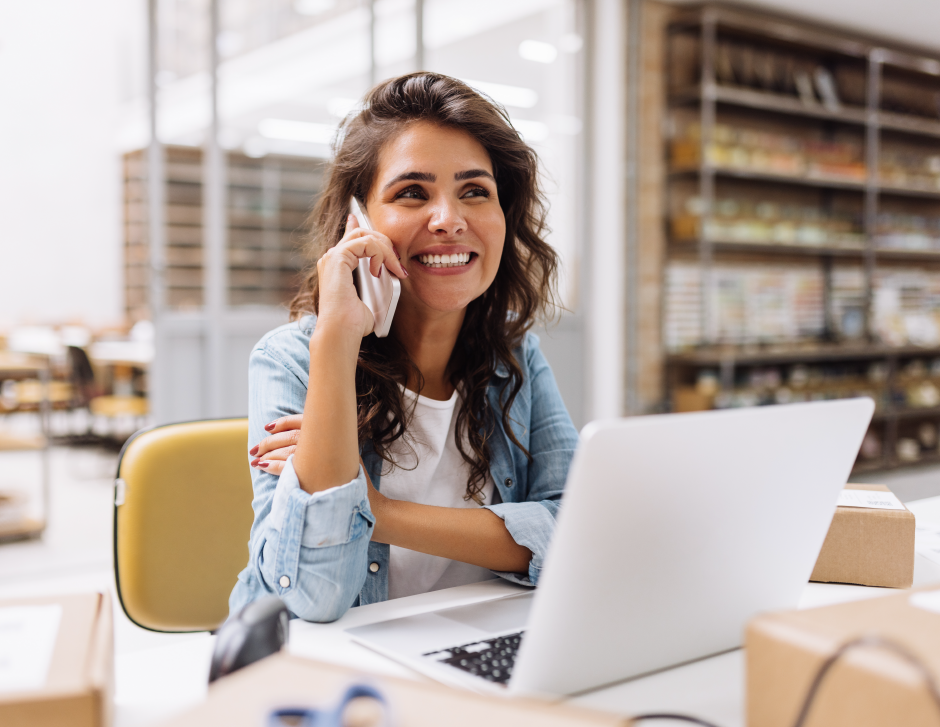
327,452
470,535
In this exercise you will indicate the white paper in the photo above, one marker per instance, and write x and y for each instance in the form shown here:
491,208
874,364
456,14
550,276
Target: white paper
27,640
927,600
927,540
875,499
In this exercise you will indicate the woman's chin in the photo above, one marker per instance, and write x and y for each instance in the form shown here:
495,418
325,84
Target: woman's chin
449,301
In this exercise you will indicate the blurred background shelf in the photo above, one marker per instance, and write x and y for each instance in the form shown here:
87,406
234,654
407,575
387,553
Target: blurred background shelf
802,241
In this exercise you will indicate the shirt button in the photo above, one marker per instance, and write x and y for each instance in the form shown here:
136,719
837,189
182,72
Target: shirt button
374,567
284,581
508,482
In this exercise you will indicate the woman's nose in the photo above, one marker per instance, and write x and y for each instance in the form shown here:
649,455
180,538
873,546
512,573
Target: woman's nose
446,218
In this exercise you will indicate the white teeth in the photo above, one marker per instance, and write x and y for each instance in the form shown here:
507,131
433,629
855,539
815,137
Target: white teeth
445,261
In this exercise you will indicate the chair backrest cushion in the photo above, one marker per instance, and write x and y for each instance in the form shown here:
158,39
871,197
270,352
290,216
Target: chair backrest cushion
181,528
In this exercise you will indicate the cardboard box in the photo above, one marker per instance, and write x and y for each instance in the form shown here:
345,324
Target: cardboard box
79,682
868,686
245,698
868,547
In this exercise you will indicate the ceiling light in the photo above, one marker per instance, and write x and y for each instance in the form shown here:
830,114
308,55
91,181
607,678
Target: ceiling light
290,130
313,7
531,131
522,98
536,50
340,107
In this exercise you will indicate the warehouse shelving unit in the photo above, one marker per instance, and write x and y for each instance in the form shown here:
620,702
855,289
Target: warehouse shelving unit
268,201
869,82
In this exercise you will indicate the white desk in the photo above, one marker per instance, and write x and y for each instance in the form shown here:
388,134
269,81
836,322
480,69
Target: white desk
155,683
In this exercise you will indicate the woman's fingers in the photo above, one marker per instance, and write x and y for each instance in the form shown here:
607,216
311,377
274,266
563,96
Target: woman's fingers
282,424
367,243
274,466
275,442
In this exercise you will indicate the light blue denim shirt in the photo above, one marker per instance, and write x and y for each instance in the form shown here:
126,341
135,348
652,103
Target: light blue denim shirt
314,551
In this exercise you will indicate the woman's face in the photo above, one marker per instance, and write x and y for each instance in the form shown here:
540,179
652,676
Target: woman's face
435,197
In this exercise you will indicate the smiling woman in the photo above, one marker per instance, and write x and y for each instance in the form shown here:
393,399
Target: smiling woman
436,456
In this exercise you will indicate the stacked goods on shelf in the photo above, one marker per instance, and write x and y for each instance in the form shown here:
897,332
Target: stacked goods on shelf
768,222
906,306
899,231
268,200
847,302
805,156
750,304
908,165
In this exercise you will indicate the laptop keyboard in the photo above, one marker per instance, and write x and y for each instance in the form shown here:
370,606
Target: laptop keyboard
491,659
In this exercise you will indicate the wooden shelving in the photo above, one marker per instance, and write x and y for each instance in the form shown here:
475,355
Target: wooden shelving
745,90
268,200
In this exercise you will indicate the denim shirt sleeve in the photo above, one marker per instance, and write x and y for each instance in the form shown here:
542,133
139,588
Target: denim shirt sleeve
310,550
552,439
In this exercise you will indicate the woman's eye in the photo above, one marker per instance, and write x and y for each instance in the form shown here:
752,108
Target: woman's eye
413,192
477,192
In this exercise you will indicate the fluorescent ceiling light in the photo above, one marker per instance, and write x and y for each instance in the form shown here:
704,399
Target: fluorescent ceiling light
339,107
290,130
536,50
313,7
522,98
531,131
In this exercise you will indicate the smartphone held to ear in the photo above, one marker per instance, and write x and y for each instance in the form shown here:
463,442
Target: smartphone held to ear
380,294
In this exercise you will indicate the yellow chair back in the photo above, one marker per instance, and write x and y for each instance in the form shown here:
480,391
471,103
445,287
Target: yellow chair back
182,516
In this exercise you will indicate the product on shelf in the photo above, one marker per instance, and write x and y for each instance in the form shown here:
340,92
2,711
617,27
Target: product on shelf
768,222
896,231
749,304
909,167
769,152
763,385
906,306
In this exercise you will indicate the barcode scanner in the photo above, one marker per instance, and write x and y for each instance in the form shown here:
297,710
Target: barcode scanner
258,630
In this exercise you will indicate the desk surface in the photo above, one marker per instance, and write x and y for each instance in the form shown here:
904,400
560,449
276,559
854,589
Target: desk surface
155,683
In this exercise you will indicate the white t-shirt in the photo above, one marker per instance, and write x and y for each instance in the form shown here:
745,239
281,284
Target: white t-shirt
439,477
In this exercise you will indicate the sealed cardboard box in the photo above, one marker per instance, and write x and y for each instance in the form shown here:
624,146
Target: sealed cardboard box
869,546
245,698
56,661
870,684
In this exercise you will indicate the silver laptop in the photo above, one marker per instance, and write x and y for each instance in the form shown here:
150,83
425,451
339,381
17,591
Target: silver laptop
675,530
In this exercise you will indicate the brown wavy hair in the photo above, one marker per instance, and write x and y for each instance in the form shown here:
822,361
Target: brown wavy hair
523,291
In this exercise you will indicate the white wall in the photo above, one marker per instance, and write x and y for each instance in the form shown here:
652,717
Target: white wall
60,213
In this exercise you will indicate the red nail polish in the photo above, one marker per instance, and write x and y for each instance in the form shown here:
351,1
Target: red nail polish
253,451
270,426
254,462
262,464
405,272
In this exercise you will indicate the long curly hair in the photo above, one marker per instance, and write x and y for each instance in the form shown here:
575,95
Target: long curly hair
523,291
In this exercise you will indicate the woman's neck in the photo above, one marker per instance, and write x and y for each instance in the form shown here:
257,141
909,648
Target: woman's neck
429,337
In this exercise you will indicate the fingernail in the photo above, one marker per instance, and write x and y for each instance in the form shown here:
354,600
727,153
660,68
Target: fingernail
254,462
405,272
253,451
270,427
262,464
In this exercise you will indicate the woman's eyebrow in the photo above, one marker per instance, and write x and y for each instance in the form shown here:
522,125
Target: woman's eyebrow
472,174
411,176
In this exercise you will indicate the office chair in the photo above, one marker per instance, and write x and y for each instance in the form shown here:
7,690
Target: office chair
182,514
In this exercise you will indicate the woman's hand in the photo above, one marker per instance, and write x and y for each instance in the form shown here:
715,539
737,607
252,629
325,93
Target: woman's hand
339,302
272,452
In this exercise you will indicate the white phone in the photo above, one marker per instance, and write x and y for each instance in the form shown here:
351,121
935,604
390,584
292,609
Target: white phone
380,294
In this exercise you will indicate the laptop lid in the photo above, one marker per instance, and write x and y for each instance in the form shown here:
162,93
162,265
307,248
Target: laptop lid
676,530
